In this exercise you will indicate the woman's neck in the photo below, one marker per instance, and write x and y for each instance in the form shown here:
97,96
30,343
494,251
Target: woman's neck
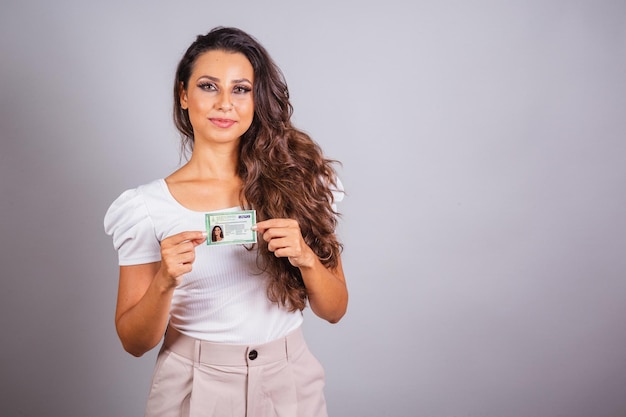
213,163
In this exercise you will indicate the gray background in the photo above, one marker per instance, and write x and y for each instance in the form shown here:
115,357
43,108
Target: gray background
483,148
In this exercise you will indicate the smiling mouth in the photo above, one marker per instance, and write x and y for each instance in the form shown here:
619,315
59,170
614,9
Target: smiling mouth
223,123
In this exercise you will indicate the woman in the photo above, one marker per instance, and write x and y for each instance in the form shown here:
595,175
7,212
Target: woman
217,235
233,313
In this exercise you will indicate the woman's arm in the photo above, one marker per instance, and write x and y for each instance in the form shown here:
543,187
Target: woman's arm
145,292
326,287
143,306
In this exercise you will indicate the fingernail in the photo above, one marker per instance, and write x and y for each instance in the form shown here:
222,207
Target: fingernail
253,227
204,234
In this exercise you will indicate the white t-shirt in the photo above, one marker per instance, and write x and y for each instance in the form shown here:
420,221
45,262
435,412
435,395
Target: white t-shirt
223,299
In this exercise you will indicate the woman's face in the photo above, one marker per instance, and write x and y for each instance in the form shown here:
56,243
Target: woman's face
219,97
217,231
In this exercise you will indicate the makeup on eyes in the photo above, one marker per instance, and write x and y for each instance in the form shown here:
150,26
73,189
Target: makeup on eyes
210,86
243,89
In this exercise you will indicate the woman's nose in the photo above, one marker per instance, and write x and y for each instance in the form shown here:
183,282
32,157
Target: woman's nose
225,103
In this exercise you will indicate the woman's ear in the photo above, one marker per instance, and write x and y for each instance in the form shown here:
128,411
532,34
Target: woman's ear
183,96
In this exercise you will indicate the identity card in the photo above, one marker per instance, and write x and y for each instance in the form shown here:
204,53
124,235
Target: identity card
230,227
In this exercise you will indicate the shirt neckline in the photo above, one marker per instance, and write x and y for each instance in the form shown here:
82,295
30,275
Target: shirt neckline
168,193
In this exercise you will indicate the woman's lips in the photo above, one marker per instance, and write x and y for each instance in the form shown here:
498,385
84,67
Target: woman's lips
223,123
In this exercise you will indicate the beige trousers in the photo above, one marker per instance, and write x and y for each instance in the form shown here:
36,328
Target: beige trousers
194,378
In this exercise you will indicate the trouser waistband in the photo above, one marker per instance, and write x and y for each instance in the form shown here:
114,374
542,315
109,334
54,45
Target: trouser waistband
210,353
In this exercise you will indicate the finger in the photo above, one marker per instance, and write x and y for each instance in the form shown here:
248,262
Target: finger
183,257
271,223
185,236
274,233
173,251
180,264
278,232
176,269
179,259
181,254
292,246
197,242
288,252
275,244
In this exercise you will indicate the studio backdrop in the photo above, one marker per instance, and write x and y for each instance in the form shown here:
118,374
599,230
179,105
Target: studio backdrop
483,153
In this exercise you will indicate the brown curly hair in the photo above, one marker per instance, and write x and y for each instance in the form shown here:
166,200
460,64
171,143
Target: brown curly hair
284,172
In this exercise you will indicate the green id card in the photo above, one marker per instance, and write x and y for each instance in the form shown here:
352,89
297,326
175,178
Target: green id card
230,227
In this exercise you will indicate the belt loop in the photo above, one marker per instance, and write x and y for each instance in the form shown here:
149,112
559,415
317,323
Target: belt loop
197,346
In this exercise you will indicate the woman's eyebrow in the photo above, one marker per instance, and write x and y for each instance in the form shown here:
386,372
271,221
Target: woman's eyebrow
217,80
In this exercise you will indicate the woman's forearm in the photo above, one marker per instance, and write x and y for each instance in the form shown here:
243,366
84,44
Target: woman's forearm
327,291
142,319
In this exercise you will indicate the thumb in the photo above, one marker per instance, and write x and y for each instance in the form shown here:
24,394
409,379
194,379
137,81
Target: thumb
196,242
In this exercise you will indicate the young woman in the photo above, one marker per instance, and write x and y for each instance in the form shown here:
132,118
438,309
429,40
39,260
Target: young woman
231,314
217,235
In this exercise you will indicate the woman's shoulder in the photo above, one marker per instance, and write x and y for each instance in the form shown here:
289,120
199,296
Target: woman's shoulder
132,204
129,221
140,193
152,187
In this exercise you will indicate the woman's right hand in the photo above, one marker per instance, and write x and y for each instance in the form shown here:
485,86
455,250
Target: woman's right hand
145,292
177,256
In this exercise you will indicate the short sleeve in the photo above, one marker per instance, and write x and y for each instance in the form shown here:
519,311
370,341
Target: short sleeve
338,193
128,221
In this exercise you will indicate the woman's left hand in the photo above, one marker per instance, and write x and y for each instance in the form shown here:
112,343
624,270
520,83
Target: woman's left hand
326,288
284,239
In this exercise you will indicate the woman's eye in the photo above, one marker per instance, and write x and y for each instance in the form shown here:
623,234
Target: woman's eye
207,86
240,89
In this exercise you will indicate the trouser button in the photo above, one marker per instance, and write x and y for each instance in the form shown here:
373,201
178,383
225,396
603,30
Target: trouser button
252,355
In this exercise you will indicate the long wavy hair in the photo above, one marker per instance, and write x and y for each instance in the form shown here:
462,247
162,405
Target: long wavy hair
284,172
